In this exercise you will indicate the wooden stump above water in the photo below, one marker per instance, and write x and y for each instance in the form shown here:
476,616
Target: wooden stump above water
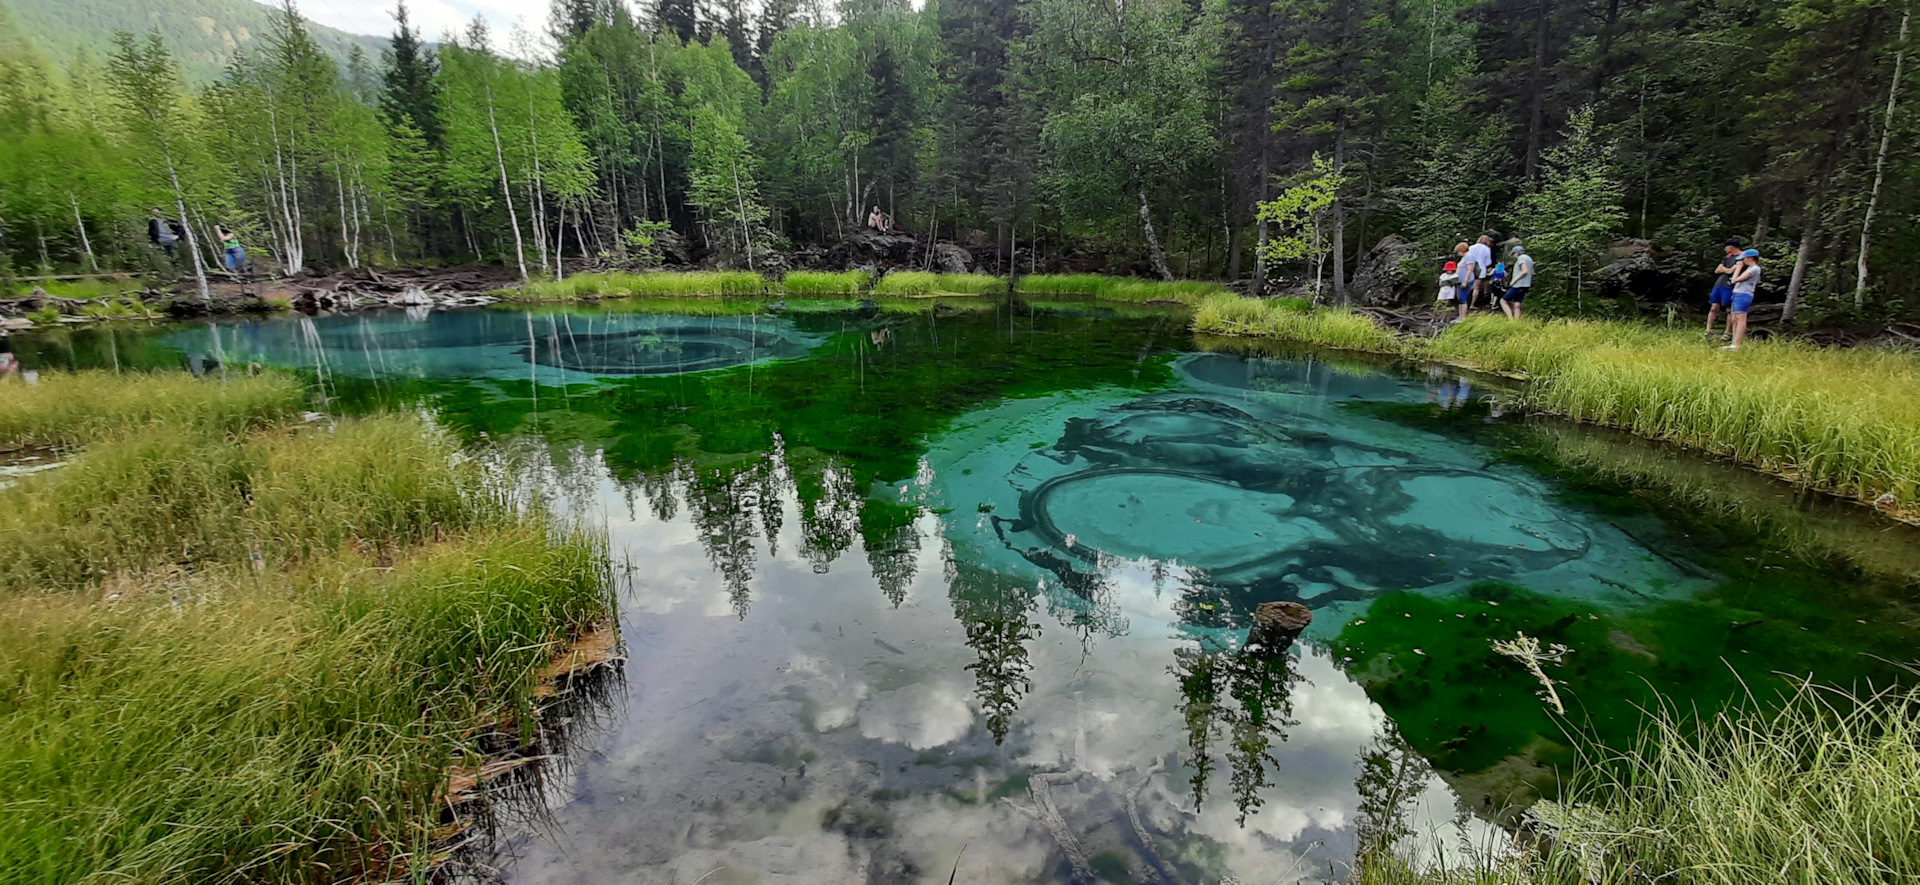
1277,624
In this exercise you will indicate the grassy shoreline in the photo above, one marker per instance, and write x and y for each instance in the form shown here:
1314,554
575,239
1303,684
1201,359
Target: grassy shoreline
852,284
240,646
1843,421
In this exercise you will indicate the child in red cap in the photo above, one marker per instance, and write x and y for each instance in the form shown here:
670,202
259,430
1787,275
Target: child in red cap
1449,283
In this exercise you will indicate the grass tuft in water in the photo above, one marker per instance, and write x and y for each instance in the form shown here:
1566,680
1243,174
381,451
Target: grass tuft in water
78,408
657,284
825,284
917,283
1292,319
1119,288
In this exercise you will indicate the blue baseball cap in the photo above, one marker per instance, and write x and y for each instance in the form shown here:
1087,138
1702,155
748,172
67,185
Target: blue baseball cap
1750,253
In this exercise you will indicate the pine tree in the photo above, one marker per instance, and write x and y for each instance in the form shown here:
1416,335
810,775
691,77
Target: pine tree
1572,211
410,97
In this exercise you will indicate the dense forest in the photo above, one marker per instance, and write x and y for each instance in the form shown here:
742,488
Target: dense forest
1273,140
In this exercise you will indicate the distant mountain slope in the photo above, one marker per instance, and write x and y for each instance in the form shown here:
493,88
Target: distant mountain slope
203,34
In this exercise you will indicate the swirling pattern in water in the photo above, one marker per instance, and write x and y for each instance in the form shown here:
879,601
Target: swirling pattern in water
687,344
1264,511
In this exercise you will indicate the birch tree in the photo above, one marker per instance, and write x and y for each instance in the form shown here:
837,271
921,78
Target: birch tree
157,122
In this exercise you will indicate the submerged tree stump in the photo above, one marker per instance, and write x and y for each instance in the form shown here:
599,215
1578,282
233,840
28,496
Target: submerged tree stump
1277,624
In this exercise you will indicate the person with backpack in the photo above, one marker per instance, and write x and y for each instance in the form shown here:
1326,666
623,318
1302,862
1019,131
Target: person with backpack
164,232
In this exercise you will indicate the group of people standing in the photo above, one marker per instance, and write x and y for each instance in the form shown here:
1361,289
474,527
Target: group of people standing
166,234
1474,279
1735,280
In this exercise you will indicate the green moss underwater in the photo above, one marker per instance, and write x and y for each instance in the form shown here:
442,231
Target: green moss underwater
1780,613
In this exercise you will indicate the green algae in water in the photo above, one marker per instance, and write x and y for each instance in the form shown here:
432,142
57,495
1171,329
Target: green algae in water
1787,604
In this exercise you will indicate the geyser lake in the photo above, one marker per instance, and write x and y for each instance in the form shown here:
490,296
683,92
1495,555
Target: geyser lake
964,586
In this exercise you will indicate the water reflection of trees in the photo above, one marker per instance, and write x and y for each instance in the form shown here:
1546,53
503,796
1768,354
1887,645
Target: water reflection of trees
997,614
1392,777
737,504
1240,697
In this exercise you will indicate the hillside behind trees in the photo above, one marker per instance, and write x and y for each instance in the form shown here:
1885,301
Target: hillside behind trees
1624,140
203,34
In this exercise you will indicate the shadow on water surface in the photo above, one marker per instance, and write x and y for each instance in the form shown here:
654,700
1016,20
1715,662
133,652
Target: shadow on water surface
982,578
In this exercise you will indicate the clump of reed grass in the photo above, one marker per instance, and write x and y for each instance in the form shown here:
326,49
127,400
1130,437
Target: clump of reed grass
1819,790
914,283
1292,319
167,497
825,284
1119,288
291,727
78,408
654,284
173,709
1816,790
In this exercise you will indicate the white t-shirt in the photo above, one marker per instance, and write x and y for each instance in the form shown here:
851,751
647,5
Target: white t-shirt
1449,286
1746,286
1523,271
1481,257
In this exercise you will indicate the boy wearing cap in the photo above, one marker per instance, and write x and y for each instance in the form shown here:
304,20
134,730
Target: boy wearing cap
1722,294
1522,282
1746,280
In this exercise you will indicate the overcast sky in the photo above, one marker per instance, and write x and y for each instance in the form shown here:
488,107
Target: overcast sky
433,17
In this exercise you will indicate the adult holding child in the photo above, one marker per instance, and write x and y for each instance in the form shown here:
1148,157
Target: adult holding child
1722,294
1746,281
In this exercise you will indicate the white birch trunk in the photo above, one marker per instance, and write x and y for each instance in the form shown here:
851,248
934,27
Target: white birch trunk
80,223
506,192
1880,164
186,230
1153,240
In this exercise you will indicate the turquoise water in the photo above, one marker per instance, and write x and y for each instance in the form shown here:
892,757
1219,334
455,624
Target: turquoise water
964,592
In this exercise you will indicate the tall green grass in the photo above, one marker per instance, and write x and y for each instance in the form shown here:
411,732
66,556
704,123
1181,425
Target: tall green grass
292,728
175,498
1294,320
825,284
1844,420
914,283
74,409
173,709
1819,790
706,283
1119,288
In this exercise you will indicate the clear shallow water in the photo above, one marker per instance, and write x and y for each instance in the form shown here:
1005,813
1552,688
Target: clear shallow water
967,590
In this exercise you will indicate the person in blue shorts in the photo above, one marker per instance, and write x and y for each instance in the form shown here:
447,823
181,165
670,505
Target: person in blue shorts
1746,280
1522,283
1722,294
